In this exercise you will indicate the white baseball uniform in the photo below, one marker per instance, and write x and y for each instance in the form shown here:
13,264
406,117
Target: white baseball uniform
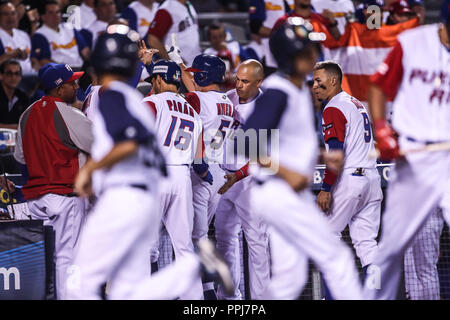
340,9
139,16
174,17
115,243
216,113
298,230
234,213
18,39
418,78
178,128
356,194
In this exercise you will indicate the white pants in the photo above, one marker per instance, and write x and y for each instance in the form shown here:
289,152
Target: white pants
175,201
66,215
115,246
233,214
206,199
298,230
417,187
420,262
356,202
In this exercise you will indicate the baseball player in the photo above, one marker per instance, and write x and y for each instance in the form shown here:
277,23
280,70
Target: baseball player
126,164
179,132
233,212
297,228
53,141
216,112
354,198
417,77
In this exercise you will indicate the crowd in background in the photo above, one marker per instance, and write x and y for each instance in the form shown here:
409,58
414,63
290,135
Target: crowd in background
35,33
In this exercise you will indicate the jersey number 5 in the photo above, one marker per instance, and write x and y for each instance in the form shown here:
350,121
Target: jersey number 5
219,138
181,133
367,128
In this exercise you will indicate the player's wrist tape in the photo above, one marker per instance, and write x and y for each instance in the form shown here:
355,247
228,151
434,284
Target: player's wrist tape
325,187
200,168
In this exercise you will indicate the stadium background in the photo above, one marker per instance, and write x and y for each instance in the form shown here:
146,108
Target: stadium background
233,15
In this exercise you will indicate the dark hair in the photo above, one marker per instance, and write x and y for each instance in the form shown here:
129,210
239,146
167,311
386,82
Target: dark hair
7,63
331,67
42,9
213,26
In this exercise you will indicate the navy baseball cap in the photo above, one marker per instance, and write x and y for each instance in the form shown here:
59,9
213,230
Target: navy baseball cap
168,70
44,68
55,75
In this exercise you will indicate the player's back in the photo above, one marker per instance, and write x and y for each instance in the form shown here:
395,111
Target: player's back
297,136
421,109
358,140
122,116
178,127
216,112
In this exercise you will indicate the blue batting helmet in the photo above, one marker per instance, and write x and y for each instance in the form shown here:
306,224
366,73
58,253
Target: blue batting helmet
291,39
116,51
207,70
169,71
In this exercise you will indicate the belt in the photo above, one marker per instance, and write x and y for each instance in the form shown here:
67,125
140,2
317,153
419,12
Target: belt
359,172
424,142
139,186
70,195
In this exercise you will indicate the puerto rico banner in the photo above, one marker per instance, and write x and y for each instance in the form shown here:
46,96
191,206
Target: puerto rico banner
360,51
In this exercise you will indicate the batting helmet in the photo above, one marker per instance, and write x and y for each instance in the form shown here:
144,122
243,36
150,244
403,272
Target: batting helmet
291,39
169,71
116,51
208,69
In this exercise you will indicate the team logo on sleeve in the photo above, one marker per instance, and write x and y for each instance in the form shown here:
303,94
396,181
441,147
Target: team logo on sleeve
327,127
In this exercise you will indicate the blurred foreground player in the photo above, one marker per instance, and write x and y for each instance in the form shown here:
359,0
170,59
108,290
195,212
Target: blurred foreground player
418,78
298,229
126,164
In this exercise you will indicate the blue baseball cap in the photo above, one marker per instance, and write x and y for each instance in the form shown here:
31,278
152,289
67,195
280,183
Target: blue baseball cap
55,75
44,68
168,70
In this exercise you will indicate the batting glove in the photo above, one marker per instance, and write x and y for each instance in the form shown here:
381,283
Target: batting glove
387,143
208,178
174,51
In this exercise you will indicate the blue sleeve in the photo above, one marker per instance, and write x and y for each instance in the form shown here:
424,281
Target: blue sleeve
257,10
268,110
267,113
2,49
134,81
335,144
131,16
243,55
81,42
40,48
120,123
87,35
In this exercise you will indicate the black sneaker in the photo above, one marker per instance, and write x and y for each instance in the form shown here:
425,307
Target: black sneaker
214,265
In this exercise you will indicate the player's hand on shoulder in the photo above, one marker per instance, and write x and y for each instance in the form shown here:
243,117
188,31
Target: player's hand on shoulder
231,180
387,143
324,200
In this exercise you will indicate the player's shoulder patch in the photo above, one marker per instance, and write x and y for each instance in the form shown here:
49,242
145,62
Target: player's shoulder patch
325,127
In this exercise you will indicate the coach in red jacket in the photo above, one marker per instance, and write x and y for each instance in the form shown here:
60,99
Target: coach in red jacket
53,141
